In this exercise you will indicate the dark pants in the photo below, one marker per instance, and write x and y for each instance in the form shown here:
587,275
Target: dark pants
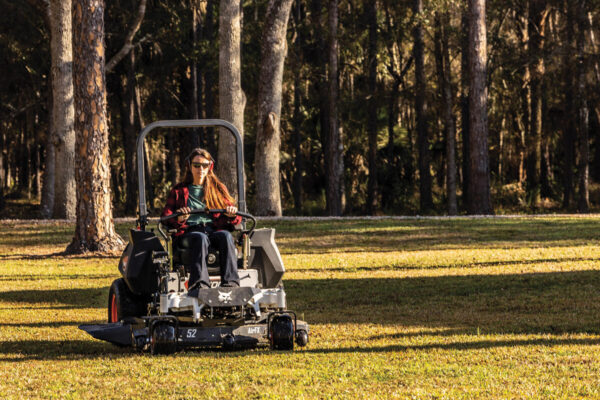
223,242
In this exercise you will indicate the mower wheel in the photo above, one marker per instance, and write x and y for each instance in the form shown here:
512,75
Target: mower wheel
301,338
282,332
122,303
164,340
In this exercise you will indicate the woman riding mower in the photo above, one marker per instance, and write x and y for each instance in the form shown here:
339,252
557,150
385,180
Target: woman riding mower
201,189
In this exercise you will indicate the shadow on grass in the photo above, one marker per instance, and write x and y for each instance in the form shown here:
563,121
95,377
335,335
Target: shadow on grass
370,235
514,303
51,276
61,255
482,264
55,324
66,298
469,345
394,235
24,350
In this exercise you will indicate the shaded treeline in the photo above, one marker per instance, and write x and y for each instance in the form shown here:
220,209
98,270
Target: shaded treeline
376,113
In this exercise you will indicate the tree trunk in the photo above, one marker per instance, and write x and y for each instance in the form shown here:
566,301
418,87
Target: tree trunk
129,135
479,180
208,80
465,80
569,129
321,84
2,169
94,230
63,111
47,201
231,97
443,66
426,201
335,171
372,190
195,101
297,117
268,137
583,202
525,95
535,22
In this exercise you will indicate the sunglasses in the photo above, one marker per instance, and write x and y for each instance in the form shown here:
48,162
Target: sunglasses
203,164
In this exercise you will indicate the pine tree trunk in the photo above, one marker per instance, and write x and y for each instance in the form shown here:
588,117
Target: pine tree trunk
443,66
479,180
208,79
268,136
231,97
2,168
372,190
335,171
63,111
321,84
297,117
464,77
536,68
426,201
195,102
47,201
525,95
94,230
569,129
129,135
583,202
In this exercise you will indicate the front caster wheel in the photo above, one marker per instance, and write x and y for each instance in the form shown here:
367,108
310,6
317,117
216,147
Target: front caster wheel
282,332
301,338
164,339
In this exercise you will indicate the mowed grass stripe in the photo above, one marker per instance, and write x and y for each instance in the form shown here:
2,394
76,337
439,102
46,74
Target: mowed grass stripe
491,308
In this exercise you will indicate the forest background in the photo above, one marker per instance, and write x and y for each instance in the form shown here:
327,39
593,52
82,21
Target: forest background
386,83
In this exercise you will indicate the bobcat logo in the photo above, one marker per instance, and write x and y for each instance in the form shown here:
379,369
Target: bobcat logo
225,297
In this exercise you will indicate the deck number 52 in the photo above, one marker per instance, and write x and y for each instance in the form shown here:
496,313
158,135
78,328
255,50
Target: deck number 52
191,333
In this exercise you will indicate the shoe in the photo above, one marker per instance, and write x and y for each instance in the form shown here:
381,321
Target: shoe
230,284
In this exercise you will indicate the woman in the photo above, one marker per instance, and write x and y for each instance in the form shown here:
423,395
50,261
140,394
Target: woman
201,189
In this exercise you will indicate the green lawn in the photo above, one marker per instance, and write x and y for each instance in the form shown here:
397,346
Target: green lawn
437,308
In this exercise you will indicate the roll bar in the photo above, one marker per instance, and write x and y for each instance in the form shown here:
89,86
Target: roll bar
189,123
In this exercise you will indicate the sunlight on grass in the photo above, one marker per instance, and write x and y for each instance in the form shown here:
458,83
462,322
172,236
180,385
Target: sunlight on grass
491,308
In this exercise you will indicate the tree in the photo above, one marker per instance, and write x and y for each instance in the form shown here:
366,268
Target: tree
335,145
371,11
298,18
426,201
63,110
464,105
537,16
231,97
268,137
94,230
583,202
444,74
569,129
479,179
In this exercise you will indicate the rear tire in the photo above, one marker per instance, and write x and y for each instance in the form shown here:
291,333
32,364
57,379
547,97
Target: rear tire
122,303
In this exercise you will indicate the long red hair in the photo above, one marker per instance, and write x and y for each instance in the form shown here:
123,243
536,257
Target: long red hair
216,194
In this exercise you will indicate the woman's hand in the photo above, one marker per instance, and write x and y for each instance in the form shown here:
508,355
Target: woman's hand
230,211
185,214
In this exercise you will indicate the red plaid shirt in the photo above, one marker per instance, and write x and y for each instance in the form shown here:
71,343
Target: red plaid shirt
178,198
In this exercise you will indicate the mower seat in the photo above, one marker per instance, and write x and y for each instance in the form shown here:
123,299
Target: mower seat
182,255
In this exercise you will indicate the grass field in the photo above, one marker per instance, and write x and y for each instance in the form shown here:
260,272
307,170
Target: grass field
437,308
